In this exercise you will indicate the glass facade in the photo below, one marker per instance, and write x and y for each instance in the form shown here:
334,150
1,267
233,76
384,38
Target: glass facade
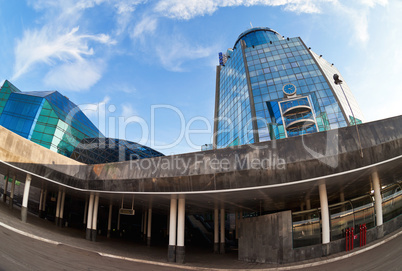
106,150
266,62
54,122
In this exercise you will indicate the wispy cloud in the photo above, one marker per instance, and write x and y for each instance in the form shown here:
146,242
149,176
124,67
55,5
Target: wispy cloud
50,46
128,110
173,53
189,9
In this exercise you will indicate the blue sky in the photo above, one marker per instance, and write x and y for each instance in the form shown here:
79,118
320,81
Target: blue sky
145,70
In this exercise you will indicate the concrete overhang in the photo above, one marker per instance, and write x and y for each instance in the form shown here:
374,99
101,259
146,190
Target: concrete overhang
275,175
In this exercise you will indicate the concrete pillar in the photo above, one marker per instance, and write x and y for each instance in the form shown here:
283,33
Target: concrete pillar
95,218
342,196
216,230
90,214
61,213
324,213
308,204
172,229
142,223
222,241
11,202
24,207
180,249
145,224
302,206
44,203
57,217
109,222
85,211
377,199
5,189
40,202
149,226
237,224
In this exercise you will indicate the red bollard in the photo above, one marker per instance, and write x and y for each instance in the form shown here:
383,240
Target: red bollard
347,239
352,235
365,233
360,235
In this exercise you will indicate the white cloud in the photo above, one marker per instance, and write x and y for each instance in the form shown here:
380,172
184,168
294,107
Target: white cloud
128,110
49,46
175,52
148,24
79,75
189,9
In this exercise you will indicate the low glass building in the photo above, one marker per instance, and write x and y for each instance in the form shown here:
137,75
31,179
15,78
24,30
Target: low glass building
269,87
51,120
105,150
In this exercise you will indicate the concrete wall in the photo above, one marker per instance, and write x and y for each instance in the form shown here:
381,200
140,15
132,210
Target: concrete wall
266,239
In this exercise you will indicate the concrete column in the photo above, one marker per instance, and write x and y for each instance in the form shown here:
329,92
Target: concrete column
24,207
145,224
142,223
302,206
11,202
308,204
342,196
216,230
324,213
58,208
95,218
172,229
222,241
40,202
61,214
109,222
180,250
149,226
90,214
237,224
377,199
44,203
85,211
5,189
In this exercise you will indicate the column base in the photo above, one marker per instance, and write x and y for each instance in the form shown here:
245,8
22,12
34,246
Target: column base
93,235
56,221
149,241
180,253
10,203
216,248
222,248
24,213
108,233
380,231
40,215
4,197
171,254
88,234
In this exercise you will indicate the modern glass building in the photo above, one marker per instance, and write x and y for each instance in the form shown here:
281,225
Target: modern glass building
269,87
105,150
54,122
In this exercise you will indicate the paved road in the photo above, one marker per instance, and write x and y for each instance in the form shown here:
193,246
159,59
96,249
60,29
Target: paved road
387,256
23,253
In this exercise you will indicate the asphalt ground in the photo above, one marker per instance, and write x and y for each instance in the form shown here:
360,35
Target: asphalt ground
40,245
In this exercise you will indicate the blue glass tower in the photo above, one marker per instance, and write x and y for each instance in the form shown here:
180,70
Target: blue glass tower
54,122
269,87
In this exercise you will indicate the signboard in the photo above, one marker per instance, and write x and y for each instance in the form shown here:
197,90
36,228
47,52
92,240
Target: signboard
126,211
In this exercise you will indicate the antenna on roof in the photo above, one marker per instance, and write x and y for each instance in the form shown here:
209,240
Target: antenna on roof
251,25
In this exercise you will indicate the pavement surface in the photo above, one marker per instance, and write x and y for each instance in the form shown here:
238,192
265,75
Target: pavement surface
40,245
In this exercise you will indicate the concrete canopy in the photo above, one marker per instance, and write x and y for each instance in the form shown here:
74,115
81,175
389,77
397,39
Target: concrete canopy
274,175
